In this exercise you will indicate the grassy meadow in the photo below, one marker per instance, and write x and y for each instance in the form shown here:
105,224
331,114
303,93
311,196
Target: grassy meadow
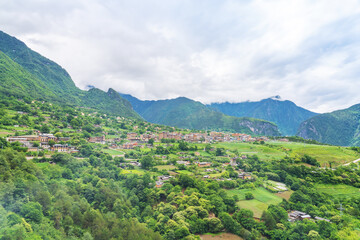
275,150
262,199
339,190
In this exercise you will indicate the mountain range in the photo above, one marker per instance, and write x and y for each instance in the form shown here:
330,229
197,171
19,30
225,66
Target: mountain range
186,113
26,74
285,114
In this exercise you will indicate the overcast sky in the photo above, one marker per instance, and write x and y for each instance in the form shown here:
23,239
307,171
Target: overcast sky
207,50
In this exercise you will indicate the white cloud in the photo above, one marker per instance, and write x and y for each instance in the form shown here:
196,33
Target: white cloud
305,51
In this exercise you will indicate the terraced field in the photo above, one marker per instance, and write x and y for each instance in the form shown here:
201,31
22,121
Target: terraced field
275,150
338,191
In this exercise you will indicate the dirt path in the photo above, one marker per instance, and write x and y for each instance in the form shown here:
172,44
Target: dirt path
355,161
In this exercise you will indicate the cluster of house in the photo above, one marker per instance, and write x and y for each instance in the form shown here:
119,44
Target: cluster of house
43,140
135,138
132,163
161,180
195,137
299,216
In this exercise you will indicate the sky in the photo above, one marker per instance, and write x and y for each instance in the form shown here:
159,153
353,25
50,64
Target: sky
208,50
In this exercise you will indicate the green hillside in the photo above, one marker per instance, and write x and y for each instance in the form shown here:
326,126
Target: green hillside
25,73
110,101
285,114
53,75
16,81
186,113
341,127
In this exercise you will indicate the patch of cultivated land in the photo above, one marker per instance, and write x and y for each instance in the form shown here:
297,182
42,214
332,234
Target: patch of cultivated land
323,153
132,171
339,190
286,195
277,150
220,236
262,199
165,167
184,172
262,151
3,133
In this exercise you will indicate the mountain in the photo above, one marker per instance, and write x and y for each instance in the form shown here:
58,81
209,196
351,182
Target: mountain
285,114
186,113
340,127
25,73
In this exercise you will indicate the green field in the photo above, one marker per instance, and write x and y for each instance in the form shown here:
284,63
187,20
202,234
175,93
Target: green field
262,199
165,167
133,171
339,190
184,172
277,150
262,151
323,153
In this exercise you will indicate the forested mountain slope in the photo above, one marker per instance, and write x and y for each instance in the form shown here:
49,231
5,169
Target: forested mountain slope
186,113
25,73
340,127
285,114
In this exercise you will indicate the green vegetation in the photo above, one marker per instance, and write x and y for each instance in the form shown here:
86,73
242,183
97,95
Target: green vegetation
339,190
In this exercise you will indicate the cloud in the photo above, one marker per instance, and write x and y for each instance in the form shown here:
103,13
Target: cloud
210,51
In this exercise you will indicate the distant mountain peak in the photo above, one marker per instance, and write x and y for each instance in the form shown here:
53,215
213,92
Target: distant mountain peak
277,98
286,114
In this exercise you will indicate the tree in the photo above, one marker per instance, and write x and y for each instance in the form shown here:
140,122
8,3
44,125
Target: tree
220,151
183,146
207,148
229,223
151,141
44,129
52,143
245,218
182,232
249,196
218,203
147,162
215,225
3,143
314,235
269,220
32,211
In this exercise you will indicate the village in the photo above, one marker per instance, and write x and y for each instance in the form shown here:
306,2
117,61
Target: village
50,142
